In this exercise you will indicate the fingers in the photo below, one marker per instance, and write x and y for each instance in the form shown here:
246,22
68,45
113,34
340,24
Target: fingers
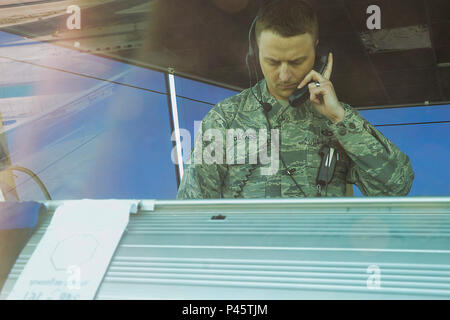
315,76
318,94
329,67
314,95
312,76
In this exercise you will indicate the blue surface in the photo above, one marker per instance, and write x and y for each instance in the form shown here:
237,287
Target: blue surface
201,91
407,115
429,152
18,215
116,144
121,147
190,111
86,64
22,90
144,78
7,38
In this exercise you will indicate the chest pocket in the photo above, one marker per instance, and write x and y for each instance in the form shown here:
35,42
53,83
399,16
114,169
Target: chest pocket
294,144
342,163
241,146
244,179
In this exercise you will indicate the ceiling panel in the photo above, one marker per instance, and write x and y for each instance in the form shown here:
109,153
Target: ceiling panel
403,60
439,10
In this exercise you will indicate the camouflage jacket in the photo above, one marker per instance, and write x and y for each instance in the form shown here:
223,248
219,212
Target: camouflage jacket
366,157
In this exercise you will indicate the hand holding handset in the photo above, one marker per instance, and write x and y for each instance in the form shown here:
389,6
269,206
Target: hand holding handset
299,96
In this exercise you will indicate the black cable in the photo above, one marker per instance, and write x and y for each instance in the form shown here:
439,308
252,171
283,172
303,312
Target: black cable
196,100
244,182
34,177
84,75
250,79
410,123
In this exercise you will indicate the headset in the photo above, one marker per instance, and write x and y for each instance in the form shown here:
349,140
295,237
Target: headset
252,56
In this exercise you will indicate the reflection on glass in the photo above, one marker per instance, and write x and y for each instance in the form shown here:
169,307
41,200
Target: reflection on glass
98,128
88,127
420,142
201,91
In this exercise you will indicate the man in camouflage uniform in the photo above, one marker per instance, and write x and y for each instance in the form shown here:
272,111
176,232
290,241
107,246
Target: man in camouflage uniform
286,33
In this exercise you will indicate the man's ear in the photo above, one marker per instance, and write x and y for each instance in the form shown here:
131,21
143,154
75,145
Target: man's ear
317,42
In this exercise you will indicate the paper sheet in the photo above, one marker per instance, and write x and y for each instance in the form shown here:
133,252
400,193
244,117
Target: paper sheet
73,255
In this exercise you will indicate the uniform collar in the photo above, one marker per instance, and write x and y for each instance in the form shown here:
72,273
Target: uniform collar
261,93
260,89
266,94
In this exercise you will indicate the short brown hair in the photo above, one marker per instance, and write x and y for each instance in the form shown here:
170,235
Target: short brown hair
287,18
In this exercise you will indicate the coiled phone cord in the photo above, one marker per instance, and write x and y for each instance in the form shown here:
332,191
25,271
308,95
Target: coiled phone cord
34,177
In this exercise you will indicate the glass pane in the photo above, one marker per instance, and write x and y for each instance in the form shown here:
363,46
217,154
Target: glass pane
77,63
189,110
84,137
201,91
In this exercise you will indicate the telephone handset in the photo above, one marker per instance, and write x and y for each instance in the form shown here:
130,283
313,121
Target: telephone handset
299,96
